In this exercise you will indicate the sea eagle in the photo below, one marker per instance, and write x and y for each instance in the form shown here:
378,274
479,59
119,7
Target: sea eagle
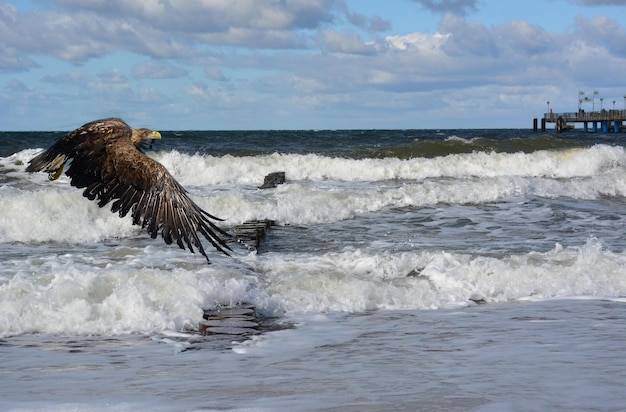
107,160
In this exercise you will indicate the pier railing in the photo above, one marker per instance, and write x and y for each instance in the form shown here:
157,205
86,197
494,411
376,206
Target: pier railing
582,116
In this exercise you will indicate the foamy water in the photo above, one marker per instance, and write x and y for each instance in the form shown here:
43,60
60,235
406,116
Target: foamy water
321,189
376,264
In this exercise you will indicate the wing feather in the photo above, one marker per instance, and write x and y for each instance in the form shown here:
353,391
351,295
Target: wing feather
110,168
158,206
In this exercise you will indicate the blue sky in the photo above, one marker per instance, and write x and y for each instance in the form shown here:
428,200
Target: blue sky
306,64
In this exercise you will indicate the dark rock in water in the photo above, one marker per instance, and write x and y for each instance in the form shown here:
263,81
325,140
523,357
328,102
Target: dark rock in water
273,180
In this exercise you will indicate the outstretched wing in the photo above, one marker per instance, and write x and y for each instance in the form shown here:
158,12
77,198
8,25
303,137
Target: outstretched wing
87,138
142,186
111,169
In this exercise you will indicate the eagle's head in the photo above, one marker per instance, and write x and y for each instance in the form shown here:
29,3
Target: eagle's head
141,136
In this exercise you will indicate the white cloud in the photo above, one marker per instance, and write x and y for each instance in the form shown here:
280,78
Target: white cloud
422,42
602,30
467,37
459,7
83,30
344,42
261,59
13,61
211,15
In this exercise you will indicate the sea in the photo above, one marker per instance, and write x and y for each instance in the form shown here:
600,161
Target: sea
406,270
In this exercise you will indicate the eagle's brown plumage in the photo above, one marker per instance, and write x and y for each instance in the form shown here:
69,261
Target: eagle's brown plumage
107,161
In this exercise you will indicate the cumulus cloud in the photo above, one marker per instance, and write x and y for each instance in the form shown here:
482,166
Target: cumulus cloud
603,30
12,57
425,43
467,54
522,38
110,82
344,42
211,16
372,24
78,30
281,57
459,7
467,37
13,61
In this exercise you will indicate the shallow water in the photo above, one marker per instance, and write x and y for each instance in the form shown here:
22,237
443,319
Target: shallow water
556,355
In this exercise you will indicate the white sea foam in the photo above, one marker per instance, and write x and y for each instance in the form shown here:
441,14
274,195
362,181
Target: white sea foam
197,170
319,190
355,281
202,170
75,294
58,213
83,292
62,214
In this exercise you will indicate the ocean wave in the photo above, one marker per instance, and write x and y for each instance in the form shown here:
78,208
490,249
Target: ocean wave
62,214
319,189
58,214
69,294
63,294
55,211
355,280
201,170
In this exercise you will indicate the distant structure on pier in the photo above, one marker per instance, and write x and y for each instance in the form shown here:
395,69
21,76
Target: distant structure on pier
605,121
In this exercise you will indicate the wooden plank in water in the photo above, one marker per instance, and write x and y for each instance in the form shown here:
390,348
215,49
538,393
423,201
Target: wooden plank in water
229,313
251,232
231,320
228,331
230,323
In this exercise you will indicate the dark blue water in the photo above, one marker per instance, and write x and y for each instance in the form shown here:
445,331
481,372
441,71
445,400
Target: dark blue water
343,143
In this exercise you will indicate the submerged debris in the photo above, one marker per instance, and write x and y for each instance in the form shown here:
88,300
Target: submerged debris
250,233
230,320
240,320
272,180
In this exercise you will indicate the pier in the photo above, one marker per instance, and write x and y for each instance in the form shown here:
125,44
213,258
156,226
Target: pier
605,121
